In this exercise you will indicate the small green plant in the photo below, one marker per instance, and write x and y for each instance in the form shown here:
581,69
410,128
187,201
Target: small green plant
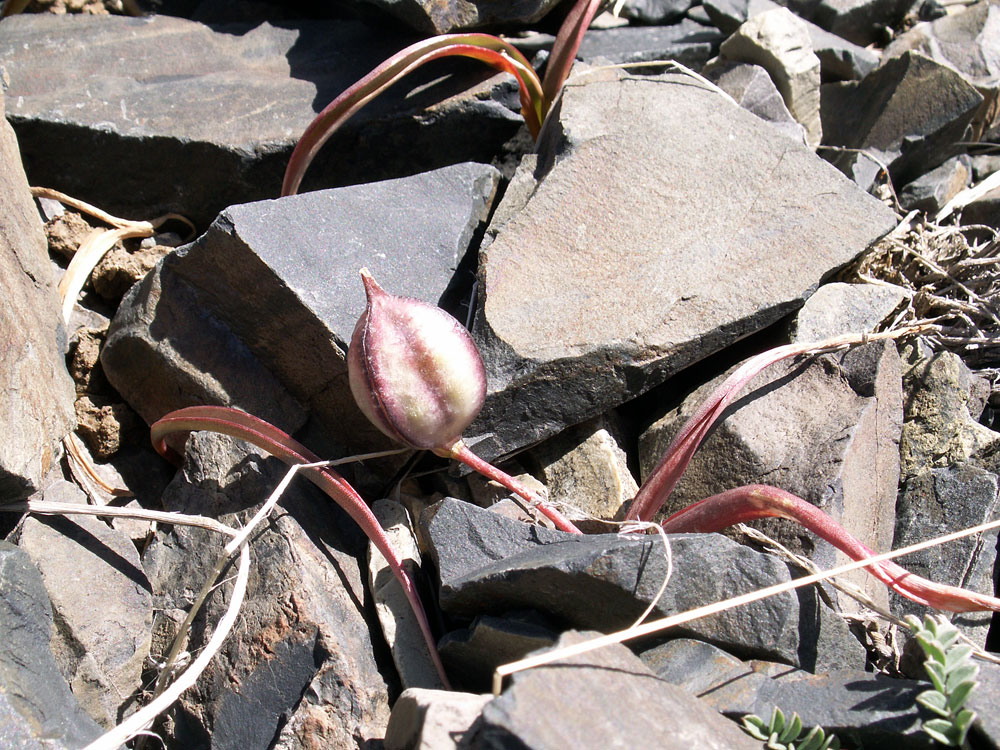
779,734
951,670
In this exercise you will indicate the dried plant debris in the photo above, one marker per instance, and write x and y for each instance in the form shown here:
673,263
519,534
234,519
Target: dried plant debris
950,282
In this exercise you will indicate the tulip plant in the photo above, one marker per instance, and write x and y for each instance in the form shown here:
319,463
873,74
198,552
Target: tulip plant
417,375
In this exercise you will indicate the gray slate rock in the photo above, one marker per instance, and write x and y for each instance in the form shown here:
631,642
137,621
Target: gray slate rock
655,12
102,602
930,191
827,431
615,702
687,42
472,654
969,42
146,115
36,391
605,582
303,653
857,706
839,59
37,709
588,302
984,210
908,114
940,501
857,21
276,284
753,89
837,308
984,700
436,17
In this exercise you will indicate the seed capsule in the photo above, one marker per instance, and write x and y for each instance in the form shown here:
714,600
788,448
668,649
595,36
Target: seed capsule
414,370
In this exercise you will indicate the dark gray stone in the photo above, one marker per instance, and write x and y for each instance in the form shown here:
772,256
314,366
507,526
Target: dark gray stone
436,17
303,653
588,302
276,284
37,709
908,114
655,12
827,431
753,89
867,710
940,501
839,59
605,582
36,391
102,602
687,42
969,42
141,116
984,210
857,21
472,654
930,191
835,309
616,702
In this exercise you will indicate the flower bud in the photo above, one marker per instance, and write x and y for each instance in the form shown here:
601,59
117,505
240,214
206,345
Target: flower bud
414,370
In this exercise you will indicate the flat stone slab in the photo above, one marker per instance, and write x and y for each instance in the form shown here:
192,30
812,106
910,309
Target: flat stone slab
605,581
647,243
145,115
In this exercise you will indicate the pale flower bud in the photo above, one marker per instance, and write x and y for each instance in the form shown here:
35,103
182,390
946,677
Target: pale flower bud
414,370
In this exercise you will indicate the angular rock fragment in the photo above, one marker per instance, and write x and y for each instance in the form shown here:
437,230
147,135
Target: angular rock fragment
472,654
395,614
839,59
908,115
141,116
968,42
827,432
37,709
930,191
615,702
432,719
435,17
303,653
602,280
655,12
836,309
940,501
984,210
584,468
779,42
36,392
944,400
605,582
687,42
102,602
753,89
266,291
857,21
871,711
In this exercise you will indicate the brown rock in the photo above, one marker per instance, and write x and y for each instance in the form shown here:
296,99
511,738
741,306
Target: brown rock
120,269
65,232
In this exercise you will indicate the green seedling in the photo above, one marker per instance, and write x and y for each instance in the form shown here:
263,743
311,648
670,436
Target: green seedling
951,670
779,734
536,94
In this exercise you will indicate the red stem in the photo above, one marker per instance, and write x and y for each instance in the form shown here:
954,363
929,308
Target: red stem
461,452
762,501
282,446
